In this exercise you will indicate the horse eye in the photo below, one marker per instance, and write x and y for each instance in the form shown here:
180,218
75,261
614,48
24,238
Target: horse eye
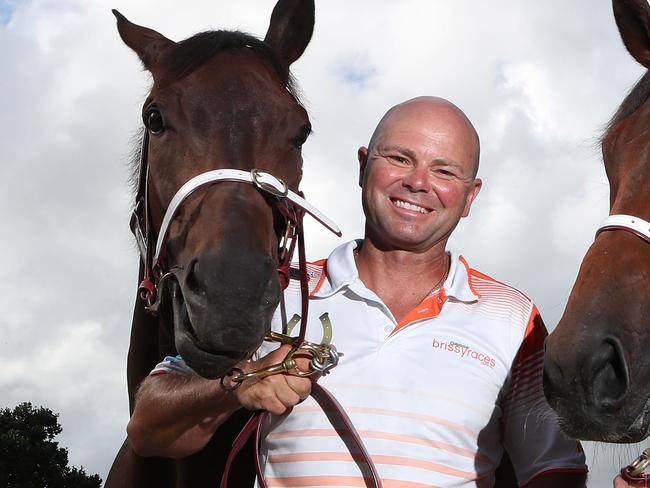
153,120
305,130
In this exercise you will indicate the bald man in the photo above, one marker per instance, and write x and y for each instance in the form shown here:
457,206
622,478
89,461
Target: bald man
442,366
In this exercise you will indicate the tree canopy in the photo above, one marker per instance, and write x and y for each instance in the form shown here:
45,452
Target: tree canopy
30,458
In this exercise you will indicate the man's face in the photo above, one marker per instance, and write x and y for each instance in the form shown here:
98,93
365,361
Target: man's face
417,177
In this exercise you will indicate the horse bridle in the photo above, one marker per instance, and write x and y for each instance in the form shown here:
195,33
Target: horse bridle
152,247
292,208
629,223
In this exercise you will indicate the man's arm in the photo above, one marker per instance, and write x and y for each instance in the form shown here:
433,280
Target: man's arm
176,415
541,454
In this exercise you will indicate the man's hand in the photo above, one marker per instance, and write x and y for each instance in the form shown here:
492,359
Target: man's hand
277,393
621,483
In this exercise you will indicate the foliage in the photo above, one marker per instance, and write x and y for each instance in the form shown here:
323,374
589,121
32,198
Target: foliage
30,458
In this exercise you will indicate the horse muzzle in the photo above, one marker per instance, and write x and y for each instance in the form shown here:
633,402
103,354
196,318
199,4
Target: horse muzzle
592,395
222,309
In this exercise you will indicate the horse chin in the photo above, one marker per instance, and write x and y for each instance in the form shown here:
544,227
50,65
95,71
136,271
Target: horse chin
615,428
208,363
640,428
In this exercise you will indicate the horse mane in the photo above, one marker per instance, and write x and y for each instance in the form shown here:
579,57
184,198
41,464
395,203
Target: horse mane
192,53
634,99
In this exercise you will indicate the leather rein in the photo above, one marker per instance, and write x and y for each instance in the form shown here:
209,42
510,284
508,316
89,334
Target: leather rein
292,208
634,473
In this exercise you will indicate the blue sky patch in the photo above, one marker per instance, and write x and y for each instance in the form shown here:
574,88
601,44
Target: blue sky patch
6,9
358,74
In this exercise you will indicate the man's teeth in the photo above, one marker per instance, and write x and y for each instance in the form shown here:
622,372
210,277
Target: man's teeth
410,206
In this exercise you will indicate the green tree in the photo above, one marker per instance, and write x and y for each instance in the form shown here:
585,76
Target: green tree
30,458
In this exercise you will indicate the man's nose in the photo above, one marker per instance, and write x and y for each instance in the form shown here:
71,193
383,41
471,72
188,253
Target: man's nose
417,178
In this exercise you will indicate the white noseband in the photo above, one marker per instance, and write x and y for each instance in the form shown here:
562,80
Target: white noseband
635,225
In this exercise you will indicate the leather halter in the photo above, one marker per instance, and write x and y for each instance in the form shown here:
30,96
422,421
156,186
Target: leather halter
290,205
635,225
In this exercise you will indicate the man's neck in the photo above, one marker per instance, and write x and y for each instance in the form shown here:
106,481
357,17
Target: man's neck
402,279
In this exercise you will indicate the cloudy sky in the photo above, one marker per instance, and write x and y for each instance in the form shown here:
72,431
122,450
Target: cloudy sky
539,79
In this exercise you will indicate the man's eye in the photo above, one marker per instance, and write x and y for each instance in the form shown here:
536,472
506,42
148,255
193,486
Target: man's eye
398,159
445,173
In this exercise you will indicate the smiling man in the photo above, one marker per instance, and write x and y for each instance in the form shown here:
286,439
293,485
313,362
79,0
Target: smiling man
442,369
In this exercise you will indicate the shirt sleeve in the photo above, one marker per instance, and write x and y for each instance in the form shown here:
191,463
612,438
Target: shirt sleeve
532,436
172,364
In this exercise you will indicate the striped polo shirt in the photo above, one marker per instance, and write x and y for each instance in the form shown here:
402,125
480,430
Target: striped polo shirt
436,397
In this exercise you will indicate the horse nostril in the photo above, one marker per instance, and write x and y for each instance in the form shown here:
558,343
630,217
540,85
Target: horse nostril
192,278
609,373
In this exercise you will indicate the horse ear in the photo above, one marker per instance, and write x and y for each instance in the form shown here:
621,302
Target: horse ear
147,43
633,20
291,27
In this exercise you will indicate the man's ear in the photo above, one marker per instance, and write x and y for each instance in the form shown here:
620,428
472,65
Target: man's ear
477,184
362,156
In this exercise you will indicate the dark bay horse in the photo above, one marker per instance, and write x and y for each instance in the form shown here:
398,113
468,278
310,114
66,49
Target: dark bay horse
597,364
222,103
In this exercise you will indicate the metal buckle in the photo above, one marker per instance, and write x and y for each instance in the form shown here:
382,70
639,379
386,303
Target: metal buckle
324,357
639,465
269,183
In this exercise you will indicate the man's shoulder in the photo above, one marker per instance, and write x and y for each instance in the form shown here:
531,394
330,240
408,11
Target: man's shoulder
498,293
491,286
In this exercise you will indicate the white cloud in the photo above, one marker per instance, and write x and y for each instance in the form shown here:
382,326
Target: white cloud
538,86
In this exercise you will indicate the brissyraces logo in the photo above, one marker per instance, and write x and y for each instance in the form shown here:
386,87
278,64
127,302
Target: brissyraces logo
464,352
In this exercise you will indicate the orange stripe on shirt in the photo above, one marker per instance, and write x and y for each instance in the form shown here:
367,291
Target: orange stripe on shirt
302,457
299,409
369,434
354,481
488,279
322,265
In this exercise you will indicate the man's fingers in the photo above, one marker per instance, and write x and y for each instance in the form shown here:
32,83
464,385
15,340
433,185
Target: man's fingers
275,393
621,483
301,386
287,395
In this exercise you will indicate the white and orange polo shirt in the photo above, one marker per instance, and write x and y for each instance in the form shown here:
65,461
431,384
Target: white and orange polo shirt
435,398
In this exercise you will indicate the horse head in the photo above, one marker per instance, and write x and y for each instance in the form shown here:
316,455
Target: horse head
597,367
221,100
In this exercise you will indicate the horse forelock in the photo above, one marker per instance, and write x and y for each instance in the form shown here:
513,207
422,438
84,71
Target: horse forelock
634,99
192,53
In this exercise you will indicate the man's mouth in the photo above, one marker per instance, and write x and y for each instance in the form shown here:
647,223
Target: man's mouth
409,206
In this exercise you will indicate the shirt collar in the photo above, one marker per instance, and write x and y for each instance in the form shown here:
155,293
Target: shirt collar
341,271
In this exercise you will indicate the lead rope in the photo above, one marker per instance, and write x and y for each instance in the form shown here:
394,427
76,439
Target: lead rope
321,395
